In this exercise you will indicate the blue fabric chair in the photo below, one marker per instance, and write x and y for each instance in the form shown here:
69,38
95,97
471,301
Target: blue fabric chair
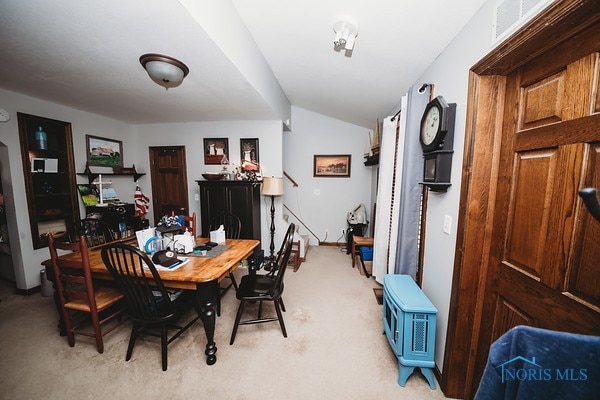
531,363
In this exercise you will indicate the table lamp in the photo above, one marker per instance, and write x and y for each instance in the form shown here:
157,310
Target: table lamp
272,187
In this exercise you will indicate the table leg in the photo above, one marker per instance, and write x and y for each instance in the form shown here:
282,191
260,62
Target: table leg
363,266
206,293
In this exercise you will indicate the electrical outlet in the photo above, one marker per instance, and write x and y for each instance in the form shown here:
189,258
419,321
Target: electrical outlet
343,232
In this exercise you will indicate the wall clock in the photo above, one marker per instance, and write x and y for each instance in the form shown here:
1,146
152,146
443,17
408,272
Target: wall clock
437,138
4,115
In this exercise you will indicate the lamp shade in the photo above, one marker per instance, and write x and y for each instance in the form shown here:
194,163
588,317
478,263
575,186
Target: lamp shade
272,186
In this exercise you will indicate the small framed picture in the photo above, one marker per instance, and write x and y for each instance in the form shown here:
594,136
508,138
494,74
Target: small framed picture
104,152
216,150
249,150
332,166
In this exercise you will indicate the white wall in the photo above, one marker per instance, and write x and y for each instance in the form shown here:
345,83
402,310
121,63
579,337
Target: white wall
27,260
322,203
449,74
191,135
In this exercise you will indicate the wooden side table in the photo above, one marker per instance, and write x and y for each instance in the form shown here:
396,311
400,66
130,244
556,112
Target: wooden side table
357,242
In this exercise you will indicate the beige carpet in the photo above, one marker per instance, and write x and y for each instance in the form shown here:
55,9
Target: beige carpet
335,349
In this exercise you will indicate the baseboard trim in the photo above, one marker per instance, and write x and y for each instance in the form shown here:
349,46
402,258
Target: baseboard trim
335,244
29,292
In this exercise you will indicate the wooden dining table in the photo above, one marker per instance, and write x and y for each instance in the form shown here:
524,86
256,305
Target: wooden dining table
201,274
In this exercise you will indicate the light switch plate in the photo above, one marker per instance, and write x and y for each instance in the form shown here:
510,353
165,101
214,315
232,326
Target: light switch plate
447,224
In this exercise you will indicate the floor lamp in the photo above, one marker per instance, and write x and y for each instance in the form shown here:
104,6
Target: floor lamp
272,187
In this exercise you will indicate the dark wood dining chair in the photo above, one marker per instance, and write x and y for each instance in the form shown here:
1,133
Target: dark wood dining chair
233,228
78,294
231,223
153,308
268,287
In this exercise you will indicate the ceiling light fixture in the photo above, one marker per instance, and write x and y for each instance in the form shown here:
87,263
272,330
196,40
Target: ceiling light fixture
345,34
164,70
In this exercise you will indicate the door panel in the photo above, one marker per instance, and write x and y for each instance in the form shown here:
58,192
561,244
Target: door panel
541,102
529,208
545,270
169,181
581,281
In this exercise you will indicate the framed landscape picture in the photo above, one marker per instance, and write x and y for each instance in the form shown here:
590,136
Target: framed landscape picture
104,152
215,149
332,166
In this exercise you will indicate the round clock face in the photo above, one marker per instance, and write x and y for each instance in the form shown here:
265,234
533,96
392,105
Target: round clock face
431,125
4,115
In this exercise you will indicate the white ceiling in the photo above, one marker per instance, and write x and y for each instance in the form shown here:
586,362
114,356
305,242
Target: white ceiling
84,54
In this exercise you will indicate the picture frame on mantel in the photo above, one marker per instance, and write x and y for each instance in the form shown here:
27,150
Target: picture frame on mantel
104,152
249,150
215,149
332,165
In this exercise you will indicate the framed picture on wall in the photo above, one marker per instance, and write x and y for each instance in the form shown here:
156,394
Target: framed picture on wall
249,150
104,152
215,150
332,166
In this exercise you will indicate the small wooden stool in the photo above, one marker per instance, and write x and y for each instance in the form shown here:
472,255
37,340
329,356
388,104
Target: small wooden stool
357,242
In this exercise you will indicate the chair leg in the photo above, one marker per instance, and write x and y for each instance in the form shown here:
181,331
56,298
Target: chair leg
280,317
282,305
163,346
260,303
219,303
237,321
98,334
69,327
233,282
132,337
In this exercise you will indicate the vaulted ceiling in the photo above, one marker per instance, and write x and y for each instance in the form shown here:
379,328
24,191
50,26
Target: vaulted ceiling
248,59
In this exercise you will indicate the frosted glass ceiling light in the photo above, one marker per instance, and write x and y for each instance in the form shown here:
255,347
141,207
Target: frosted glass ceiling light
164,70
345,34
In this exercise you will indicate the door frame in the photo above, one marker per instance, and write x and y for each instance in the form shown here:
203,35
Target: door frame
559,28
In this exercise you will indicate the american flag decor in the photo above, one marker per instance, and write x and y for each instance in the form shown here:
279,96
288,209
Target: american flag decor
141,202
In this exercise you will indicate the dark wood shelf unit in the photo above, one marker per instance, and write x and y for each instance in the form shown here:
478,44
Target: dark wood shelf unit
52,199
241,198
93,175
372,160
436,187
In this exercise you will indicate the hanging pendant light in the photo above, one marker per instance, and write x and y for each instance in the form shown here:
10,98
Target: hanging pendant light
164,70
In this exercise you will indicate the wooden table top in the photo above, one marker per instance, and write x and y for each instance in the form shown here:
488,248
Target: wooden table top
362,241
197,270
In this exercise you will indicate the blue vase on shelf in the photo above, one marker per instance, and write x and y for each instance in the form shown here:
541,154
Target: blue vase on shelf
41,139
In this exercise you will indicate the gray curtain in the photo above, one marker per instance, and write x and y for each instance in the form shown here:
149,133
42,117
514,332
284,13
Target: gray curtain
407,252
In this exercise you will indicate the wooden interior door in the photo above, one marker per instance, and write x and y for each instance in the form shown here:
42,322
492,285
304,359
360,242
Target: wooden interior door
545,251
528,250
169,181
